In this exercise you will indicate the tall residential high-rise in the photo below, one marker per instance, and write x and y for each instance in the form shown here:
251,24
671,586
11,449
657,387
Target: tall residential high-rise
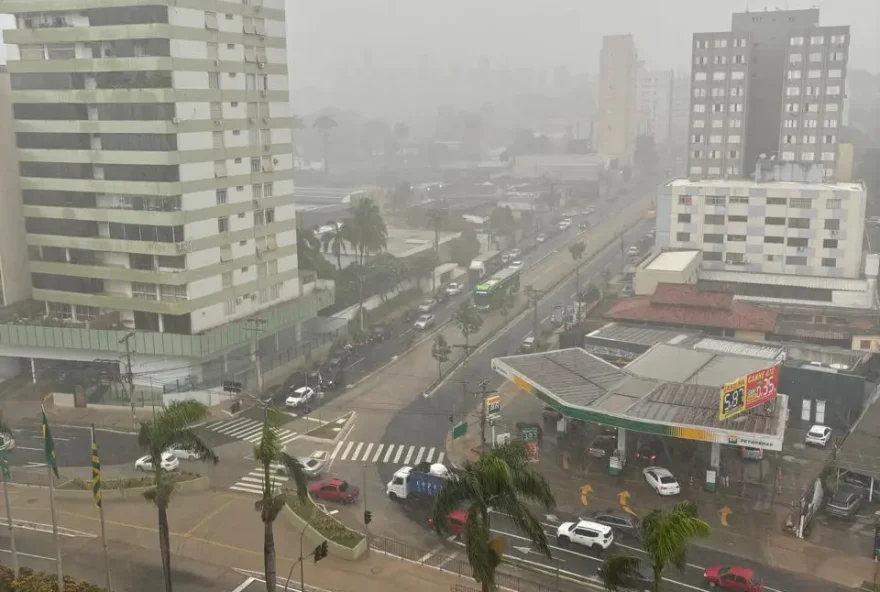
155,151
654,104
773,85
616,127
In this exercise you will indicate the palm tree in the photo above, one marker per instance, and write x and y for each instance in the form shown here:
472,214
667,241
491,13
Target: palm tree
334,241
171,429
469,322
577,253
324,124
666,537
368,233
436,216
503,481
269,452
440,352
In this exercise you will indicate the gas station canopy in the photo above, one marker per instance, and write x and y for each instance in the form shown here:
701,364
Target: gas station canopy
585,387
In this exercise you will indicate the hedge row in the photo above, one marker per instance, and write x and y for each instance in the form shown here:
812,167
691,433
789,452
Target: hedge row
32,581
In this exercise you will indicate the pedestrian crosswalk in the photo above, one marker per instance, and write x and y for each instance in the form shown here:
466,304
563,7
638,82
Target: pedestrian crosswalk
398,454
253,481
249,430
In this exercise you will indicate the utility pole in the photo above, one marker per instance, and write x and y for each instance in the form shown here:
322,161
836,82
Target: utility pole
129,375
484,387
622,255
535,297
255,325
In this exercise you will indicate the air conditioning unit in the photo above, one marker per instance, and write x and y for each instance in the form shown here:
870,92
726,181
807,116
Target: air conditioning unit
175,120
216,62
261,65
835,232
253,296
238,299
217,122
259,253
267,147
800,249
252,120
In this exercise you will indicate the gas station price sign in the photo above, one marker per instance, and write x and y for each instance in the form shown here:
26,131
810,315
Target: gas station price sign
748,392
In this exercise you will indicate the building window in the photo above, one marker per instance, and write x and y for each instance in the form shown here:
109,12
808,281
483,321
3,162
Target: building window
800,202
699,123
736,238
799,223
699,92
685,200
717,107
223,224
717,239
798,242
829,262
811,123
221,197
836,56
834,204
829,139
255,165
719,92
697,154
684,218
737,218
771,221
776,201
699,108
714,219
835,73
739,59
798,260
832,224
718,76
774,240
816,56
711,256
721,43
696,170
828,156
699,76
738,75
830,123
213,79
808,156
814,74
838,39
143,291
792,107
172,292
734,123
788,155
790,123
794,74
716,200
829,243
832,91
795,58
683,237
714,170
817,40
738,199
739,42
244,270
715,139
720,60
796,41
792,91
735,259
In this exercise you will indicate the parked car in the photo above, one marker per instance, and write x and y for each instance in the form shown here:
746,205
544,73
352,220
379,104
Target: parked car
333,377
516,264
454,288
632,251
427,305
184,454
602,446
515,254
335,490
749,453
662,481
300,397
456,520
528,345
169,462
586,533
818,435
541,238
646,454
621,522
564,225
423,322
640,580
845,503
734,577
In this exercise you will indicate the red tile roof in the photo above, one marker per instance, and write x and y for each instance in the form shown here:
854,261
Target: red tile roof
684,304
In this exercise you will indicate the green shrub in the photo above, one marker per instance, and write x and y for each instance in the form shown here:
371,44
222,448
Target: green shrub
326,526
31,581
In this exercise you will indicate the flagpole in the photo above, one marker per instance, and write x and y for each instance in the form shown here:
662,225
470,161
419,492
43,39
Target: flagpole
55,529
96,476
9,518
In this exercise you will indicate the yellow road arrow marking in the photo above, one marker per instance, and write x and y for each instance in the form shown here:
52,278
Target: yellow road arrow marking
725,512
585,492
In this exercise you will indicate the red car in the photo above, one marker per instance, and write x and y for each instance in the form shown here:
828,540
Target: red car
335,490
734,577
456,520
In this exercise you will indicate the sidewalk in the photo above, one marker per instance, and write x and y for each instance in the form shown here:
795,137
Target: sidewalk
753,529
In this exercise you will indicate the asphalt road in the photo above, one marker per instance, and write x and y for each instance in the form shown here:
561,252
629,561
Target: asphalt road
73,446
577,563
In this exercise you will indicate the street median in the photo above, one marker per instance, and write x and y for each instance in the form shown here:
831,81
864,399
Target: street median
125,488
319,526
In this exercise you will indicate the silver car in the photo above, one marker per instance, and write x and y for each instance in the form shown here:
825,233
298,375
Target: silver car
313,465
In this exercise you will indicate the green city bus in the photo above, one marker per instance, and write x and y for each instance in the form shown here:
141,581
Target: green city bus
490,293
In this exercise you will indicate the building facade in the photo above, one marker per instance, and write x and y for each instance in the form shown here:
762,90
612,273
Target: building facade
654,104
772,85
616,126
156,166
806,227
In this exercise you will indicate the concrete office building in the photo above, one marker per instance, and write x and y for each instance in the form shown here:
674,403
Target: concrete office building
157,181
654,104
616,126
773,85
790,221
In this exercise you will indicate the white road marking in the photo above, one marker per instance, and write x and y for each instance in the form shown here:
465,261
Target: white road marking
440,457
354,455
409,454
366,456
378,452
388,454
245,584
418,456
399,452
355,363
347,448
223,425
336,450
430,553
28,448
29,555
430,454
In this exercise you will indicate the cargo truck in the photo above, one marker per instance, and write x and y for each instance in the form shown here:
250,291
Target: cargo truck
420,482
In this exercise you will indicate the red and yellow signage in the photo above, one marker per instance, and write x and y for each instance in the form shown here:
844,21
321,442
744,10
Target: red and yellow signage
748,392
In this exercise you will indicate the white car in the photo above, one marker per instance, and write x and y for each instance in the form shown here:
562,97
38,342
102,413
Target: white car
662,481
184,454
312,465
427,305
169,463
454,288
565,225
541,238
517,265
585,533
818,436
633,250
300,397
424,321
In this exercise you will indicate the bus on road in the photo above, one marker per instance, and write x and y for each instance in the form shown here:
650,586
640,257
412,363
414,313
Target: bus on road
490,293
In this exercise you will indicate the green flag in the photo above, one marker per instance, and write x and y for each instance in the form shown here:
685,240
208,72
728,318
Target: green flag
49,445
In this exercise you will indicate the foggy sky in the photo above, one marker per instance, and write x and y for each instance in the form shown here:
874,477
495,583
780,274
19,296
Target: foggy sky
328,34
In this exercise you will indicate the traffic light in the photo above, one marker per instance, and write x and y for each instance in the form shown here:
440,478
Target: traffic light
320,551
368,516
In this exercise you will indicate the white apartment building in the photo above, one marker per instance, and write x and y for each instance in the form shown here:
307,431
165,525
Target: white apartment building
616,125
654,104
156,164
807,227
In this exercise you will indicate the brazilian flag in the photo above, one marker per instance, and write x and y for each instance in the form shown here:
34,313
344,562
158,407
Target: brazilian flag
49,445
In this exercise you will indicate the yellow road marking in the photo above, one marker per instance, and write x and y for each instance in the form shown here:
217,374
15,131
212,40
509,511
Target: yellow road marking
204,520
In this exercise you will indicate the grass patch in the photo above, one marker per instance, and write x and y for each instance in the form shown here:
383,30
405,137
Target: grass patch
327,526
331,429
127,482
